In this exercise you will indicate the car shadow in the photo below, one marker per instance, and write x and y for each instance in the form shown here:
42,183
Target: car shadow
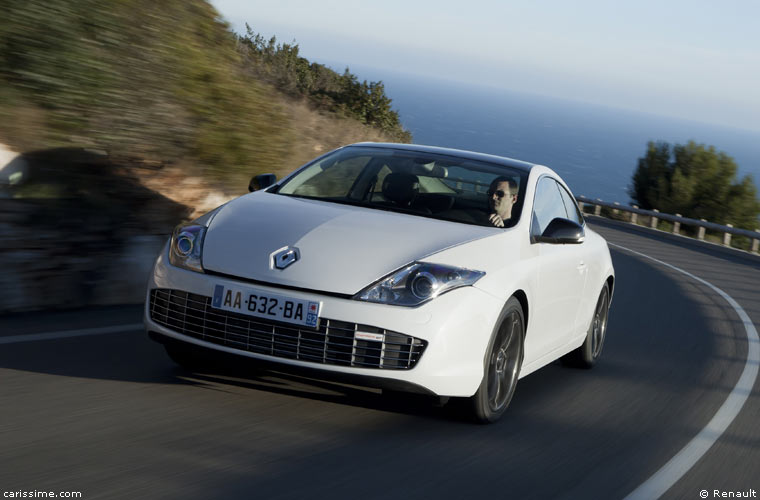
81,229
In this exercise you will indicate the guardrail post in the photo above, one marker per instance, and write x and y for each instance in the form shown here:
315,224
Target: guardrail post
653,222
598,209
677,225
727,237
634,215
701,234
756,243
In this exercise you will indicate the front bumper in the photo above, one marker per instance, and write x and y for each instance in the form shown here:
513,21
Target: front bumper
438,347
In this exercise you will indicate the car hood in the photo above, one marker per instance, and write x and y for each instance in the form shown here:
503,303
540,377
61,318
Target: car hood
343,248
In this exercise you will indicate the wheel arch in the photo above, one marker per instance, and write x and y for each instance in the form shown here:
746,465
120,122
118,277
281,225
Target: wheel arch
522,298
611,284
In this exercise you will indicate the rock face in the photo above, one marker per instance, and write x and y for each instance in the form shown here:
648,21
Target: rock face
12,168
78,230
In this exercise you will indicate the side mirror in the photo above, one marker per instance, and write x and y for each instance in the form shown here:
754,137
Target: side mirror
261,181
561,231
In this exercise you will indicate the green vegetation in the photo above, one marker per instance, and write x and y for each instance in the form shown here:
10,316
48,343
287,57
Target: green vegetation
280,65
695,181
163,81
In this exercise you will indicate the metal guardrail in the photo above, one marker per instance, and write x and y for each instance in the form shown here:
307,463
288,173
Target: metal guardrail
655,216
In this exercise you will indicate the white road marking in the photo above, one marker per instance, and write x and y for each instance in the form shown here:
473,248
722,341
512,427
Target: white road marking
34,337
671,472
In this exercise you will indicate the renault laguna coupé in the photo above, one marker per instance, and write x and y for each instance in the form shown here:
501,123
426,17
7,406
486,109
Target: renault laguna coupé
411,268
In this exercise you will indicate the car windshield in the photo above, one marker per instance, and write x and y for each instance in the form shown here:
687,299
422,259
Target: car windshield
414,182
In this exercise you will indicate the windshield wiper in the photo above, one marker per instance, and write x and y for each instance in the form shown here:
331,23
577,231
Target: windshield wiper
342,201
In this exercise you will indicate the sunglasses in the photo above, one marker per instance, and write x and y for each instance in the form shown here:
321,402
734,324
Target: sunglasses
499,193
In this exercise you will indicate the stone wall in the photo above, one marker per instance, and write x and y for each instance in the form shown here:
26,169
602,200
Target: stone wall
58,257
79,231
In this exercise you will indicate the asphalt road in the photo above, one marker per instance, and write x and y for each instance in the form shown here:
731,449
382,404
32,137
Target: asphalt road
112,417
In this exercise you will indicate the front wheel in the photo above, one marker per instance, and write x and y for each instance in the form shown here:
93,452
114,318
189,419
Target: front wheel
587,355
502,366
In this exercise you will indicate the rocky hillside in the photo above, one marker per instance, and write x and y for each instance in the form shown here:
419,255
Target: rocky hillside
120,119
169,82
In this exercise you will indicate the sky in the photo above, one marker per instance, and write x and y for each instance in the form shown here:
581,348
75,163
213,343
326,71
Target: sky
691,59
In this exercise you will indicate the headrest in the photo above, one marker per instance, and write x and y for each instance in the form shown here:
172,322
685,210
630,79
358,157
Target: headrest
400,188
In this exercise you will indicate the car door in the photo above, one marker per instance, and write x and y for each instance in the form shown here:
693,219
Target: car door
575,215
561,272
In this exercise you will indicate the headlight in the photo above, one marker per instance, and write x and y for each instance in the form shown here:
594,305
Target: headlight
418,283
187,247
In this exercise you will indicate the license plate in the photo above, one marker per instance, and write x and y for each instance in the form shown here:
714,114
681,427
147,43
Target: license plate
263,304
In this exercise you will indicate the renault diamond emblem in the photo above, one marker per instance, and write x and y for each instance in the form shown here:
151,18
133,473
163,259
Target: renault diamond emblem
284,257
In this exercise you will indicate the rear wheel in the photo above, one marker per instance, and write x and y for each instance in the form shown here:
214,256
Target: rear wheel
587,355
502,366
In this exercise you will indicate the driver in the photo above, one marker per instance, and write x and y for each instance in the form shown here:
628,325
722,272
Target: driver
502,195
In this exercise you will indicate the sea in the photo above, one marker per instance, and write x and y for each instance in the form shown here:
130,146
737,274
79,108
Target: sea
594,148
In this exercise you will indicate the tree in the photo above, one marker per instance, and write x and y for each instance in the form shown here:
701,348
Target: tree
281,65
695,181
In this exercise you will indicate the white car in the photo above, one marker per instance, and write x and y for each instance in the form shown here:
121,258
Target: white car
393,266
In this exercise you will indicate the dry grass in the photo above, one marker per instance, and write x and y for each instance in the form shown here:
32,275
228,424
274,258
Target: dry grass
312,133
315,133
308,132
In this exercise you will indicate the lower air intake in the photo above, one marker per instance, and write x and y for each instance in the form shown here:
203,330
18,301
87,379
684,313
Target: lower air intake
333,342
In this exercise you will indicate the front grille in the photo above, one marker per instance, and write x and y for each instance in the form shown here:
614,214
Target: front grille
333,342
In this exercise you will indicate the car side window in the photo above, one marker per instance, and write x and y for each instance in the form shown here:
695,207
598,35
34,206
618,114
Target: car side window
573,213
548,205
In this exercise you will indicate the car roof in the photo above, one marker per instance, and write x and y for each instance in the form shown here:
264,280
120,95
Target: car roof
459,153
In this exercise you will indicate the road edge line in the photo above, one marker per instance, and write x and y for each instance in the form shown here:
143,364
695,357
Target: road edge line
669,474
35,337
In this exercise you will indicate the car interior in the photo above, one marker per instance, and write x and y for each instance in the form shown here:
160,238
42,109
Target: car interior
416,185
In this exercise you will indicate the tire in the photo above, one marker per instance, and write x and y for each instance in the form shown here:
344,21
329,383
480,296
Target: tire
503,361
588,354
